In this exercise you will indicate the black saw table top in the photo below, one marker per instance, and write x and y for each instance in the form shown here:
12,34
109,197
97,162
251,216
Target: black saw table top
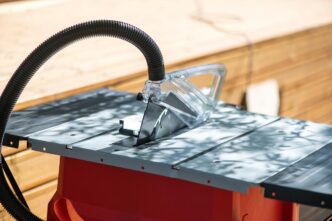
233,150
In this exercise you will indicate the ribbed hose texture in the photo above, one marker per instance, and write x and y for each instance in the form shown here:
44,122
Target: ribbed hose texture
40,55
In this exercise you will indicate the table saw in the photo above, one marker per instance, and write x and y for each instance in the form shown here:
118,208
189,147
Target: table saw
172,152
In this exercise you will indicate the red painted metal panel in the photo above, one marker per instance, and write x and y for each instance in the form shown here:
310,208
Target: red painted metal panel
91,191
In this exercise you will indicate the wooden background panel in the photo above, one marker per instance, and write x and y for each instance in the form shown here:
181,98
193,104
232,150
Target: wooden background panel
34,168
184,36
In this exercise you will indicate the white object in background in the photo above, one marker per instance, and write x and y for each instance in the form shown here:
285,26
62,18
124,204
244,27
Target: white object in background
263,97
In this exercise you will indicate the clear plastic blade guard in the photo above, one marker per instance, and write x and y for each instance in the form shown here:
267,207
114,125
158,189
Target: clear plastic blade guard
199,103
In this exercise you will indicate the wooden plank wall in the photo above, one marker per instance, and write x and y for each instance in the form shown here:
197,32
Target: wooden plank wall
300,61
2,1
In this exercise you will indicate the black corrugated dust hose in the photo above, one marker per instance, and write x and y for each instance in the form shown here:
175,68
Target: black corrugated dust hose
40,55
